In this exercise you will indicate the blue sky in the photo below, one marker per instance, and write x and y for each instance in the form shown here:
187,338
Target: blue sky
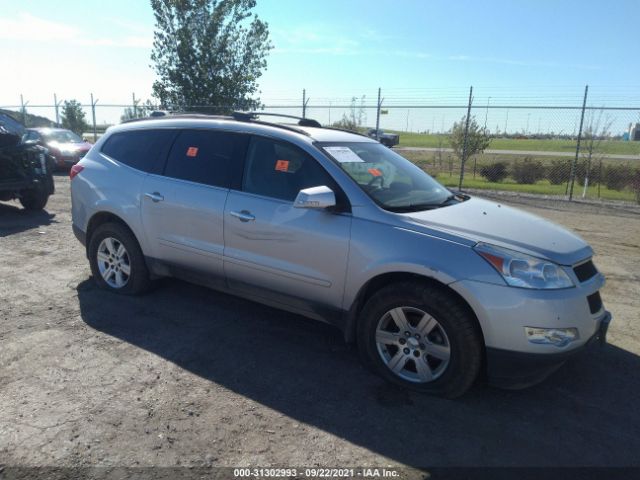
529,50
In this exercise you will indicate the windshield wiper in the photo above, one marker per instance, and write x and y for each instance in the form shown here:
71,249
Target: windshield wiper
415,207
448,199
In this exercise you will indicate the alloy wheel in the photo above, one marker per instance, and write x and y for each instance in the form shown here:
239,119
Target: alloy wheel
113,262
413,344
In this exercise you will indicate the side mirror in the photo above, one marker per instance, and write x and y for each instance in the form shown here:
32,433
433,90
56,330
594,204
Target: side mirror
315,197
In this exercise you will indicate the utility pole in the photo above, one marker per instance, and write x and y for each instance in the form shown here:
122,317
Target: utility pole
575,161
466,137
506,122
486,113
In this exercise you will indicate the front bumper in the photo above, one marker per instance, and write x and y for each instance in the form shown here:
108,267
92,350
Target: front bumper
503,313
514,370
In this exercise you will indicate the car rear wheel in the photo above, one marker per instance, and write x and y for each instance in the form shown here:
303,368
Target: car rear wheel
117,262
35,198
421,338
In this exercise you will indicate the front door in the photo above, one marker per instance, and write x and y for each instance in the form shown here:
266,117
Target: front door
278,253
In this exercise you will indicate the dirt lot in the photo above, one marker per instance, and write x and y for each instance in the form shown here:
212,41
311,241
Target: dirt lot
188,376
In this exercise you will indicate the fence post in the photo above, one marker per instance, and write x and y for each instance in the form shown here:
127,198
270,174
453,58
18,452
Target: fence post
57,104
135,104
378,114
466,137
305,100
93,115
23,109
574,165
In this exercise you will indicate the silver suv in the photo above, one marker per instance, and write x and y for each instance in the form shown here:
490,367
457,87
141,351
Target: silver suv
435,287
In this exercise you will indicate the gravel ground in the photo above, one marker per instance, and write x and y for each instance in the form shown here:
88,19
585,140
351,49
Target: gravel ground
188,376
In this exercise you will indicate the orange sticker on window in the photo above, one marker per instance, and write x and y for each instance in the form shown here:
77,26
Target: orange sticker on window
192,151
282,165
375,172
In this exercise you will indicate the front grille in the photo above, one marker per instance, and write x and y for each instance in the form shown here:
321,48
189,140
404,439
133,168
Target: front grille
595,302
585,271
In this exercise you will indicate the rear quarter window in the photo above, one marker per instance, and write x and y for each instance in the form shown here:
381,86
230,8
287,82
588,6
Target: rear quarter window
144,150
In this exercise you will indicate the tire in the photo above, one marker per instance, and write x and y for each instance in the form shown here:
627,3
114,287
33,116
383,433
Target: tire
421,308
124,272
35,198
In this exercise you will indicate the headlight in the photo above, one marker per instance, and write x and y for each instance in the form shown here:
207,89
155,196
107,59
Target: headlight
521,270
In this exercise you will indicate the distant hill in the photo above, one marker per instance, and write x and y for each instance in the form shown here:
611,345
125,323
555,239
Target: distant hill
32,120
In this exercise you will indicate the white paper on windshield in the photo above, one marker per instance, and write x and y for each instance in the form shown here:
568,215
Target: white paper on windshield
344,154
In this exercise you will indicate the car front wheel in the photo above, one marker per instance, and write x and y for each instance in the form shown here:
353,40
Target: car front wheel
421,338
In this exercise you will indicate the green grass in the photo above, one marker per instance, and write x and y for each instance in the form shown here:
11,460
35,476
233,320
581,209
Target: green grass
542,187
429,163
408,139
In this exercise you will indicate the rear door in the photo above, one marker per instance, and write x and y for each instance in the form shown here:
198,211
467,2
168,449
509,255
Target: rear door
183,206
282,254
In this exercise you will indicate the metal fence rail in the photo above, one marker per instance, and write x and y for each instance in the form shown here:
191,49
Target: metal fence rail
569,145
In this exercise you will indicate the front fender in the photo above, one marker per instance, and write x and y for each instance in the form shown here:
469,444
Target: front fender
378,248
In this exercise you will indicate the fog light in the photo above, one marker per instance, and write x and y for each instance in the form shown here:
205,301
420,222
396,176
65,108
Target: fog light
551,336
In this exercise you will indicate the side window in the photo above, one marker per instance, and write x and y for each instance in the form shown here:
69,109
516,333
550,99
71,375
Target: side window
203,156
279,170
139,149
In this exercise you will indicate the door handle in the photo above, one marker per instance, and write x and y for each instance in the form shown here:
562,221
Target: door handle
155,196
243,216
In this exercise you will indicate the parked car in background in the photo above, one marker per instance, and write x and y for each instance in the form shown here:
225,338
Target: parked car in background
24,173
65,148
388,139
436,287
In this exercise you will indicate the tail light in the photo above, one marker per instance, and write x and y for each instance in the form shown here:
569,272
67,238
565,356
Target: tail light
75,170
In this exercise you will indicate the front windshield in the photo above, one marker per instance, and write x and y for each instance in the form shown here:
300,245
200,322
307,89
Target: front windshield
62,136
392,181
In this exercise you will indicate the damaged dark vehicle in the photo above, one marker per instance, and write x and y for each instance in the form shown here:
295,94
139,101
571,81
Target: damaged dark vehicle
24,173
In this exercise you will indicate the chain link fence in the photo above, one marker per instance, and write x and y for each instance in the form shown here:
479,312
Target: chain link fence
569,145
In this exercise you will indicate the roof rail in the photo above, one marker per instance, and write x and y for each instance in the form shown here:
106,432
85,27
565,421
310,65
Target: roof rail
302,121
241,117
174,115
338,129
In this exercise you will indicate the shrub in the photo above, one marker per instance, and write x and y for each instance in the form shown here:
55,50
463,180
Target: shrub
616,177
495,172
581,172
528,171
559,172
635,184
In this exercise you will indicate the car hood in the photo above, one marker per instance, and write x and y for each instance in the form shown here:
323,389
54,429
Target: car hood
480,220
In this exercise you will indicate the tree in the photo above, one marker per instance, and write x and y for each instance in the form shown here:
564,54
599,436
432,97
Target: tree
597,130
355,119
73,117
477,140
140,111
208,54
